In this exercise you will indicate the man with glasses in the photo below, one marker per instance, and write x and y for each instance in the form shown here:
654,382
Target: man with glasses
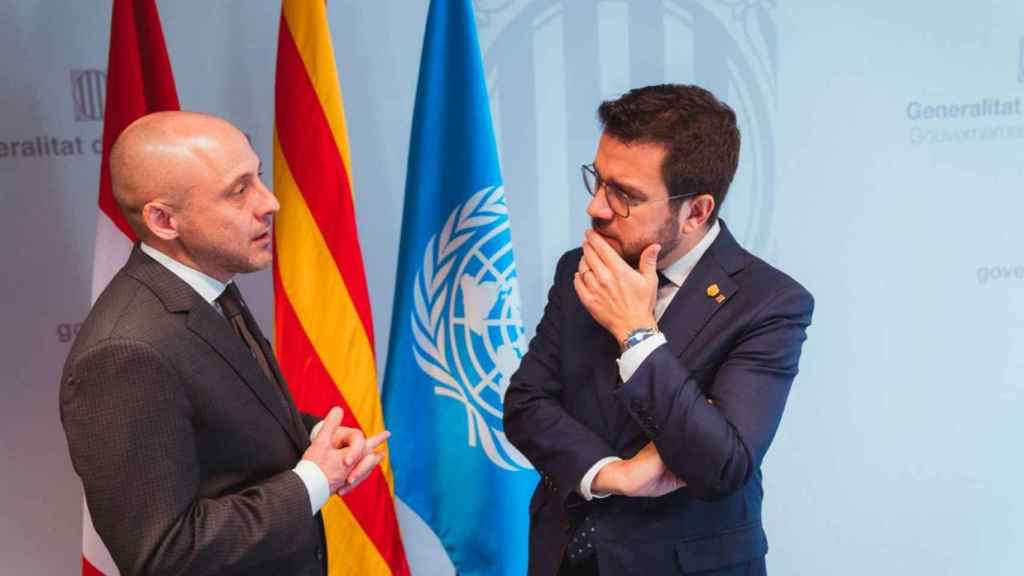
660,369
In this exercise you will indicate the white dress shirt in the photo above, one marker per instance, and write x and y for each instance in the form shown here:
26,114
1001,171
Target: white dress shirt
210,289
677,272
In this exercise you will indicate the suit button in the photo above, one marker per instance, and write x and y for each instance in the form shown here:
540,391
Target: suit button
319,553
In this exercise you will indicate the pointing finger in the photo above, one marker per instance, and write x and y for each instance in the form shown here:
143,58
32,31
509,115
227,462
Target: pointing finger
376,440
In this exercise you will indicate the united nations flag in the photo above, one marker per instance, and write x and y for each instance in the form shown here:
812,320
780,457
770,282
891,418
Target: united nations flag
456,332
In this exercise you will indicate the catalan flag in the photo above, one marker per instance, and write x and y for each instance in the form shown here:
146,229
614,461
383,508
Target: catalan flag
139,81
323,328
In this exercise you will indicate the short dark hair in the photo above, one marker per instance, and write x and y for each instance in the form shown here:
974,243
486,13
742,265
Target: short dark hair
698,130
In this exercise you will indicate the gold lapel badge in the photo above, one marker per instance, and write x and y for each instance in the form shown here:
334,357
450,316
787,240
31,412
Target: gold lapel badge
715,292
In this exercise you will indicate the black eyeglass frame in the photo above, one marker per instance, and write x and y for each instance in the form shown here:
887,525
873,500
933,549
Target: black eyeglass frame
622,195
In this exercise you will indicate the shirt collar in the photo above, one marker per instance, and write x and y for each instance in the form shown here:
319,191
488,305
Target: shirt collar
208,287
680,269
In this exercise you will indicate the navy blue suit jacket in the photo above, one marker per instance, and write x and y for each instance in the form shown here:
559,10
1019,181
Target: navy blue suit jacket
710,400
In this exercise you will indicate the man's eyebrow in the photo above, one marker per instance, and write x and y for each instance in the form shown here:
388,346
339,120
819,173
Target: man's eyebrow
240,180
616,184
632,191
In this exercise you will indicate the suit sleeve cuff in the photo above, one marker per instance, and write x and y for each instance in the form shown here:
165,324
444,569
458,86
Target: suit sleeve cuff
316,484
588,479
631,359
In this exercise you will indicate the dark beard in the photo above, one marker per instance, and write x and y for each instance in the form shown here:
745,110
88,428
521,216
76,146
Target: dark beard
667,235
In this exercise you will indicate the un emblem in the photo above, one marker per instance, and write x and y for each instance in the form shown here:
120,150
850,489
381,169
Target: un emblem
466,319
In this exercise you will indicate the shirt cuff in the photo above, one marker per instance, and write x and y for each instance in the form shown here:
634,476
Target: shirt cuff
316,484
588,478
632,358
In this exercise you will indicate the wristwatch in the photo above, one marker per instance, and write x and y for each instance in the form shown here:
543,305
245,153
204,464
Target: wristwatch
637,336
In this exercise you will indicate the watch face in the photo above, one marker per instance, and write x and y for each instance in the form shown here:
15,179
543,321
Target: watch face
637,336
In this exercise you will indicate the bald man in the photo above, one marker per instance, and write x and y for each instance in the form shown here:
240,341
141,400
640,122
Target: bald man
192,455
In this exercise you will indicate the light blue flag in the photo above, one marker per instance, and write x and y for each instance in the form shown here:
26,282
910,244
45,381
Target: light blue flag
456,331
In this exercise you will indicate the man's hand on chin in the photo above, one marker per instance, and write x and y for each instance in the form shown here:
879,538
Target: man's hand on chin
618,297
643,475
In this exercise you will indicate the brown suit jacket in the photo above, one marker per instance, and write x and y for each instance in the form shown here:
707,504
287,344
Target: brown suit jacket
183,446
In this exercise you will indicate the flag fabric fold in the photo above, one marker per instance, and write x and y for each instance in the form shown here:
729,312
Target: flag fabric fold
456,331
323,326
139,82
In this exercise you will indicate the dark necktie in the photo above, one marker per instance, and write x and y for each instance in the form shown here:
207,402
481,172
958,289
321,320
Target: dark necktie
663,280
245,326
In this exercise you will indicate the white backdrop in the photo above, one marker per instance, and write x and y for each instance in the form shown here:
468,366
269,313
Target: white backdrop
881,166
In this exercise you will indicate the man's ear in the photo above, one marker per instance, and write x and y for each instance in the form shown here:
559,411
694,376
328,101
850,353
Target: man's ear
159,219
701,207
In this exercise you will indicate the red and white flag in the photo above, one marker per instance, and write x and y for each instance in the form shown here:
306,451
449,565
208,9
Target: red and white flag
139,81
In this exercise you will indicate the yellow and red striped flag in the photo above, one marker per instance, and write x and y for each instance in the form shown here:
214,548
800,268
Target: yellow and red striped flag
322,324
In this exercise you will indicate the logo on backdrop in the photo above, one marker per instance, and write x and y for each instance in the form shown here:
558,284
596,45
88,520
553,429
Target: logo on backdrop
603,49
995,273
466,318
88,96
88,93
973,117
980,119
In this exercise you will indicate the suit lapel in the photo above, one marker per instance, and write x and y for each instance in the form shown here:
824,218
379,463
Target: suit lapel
707,289
206,323
178,297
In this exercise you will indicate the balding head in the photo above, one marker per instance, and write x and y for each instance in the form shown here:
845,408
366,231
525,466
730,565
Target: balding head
189,184
160,156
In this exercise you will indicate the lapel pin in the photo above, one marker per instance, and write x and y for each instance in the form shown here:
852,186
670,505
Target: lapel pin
720,298
713,290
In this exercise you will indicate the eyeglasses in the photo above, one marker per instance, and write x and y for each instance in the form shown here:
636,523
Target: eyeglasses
618,199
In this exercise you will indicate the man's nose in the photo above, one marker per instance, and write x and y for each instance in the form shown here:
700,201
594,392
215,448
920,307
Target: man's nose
598,206
268,201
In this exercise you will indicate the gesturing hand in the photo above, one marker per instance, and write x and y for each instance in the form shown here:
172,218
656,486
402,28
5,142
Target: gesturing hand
336,461
642,475
618,297
344,455
364,465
